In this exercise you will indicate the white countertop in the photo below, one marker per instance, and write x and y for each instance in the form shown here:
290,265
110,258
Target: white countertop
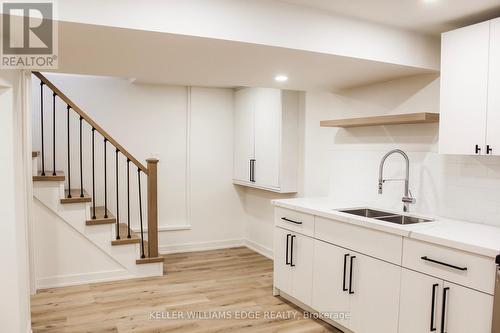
471,237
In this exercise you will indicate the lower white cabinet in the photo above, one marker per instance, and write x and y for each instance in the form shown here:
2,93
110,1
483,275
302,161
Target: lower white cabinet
318,265
330,295
375,295
420,302
466,310
358,292
429,304
293,264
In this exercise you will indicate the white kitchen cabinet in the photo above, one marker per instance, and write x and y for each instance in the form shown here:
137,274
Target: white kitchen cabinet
420,303
244,140
358,292
375,290
430,288
330,295
470,79
301,257
266,139
466,310
493,123
422,310
282,271
293,264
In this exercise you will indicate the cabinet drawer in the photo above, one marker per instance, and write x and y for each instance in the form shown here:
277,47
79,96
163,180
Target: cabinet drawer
294,221
456,266
366,241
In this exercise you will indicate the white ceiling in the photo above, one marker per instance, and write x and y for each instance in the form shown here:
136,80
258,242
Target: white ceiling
164,58
426,16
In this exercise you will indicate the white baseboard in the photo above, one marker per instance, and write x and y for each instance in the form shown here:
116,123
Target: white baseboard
204,246
84,278
265,251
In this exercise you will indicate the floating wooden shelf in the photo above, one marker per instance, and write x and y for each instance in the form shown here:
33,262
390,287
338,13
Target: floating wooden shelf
396,119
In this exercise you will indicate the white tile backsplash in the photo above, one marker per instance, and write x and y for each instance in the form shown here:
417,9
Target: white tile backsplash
466,188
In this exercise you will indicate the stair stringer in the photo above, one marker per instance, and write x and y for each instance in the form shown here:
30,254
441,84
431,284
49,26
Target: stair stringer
49,194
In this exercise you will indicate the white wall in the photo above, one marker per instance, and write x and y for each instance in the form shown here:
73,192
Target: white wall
63,256
14,280
188,129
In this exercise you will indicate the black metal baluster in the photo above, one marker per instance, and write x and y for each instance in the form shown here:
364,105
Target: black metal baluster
93,176
69,158
54,133
105,182
81,160
41,120
128,198
140,213
117,200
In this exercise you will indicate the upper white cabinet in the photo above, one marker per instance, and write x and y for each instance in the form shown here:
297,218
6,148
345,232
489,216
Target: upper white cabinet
470,79
493,123
266,139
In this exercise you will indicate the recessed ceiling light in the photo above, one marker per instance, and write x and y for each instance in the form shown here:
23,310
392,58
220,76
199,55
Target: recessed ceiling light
281,78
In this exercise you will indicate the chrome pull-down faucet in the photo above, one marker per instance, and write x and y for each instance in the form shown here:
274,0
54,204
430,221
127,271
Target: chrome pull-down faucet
407,198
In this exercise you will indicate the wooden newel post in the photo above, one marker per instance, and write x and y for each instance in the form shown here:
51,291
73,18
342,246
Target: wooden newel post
152,207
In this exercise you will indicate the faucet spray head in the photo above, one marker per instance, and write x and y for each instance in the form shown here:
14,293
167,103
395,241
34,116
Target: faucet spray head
380,184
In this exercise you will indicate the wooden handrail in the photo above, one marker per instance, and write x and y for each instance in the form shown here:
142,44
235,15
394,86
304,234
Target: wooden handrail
91,122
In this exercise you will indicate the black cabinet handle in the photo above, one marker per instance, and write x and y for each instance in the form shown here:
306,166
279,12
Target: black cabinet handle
488,149
478,149
291,251
344,287
252,170
443,315
287,262
350,275
433,307
444,264
291,221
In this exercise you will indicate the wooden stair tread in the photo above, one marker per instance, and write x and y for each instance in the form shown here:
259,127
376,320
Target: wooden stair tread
100,219
135,239
149,260
49,177
75,197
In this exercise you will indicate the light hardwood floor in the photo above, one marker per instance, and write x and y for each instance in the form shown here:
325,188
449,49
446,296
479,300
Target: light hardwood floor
232,281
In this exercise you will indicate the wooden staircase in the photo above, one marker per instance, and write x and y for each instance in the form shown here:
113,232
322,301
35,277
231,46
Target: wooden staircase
48,183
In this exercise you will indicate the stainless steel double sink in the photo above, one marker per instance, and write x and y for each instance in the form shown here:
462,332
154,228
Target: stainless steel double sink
385,216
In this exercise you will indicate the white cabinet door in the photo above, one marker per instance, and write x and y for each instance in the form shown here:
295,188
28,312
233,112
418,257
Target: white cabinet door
466,310
420,304
493,126
330,295
464,88
282,269
301,257
267,136
375,295
243,133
